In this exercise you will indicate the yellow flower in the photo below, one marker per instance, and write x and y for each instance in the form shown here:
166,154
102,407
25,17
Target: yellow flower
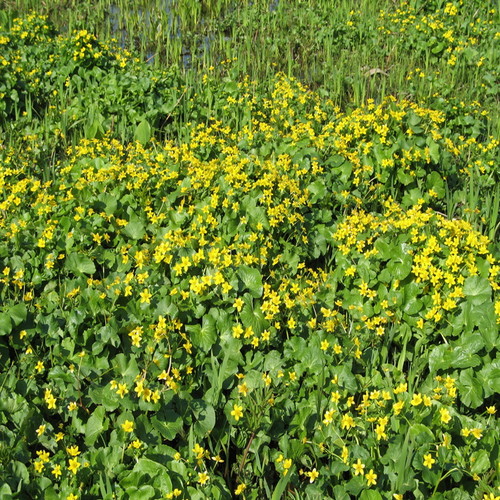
122,390
416,400
237,412
39,367
243,389
445,415
128,426
199,451
74,465
347,422
44,456
398,407
73,451
40,430
39,466
491,496
491,410
371,478
51,401
56,471
203,478
359,468
380,431
146,296
429,461
477,433
71,497
345,454
313,475
240,489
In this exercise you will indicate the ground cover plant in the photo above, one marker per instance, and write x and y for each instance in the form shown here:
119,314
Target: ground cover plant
226,279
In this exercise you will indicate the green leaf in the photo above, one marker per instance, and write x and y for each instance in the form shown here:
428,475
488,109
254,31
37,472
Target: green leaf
477,289
50,494
258,215
144,492
5,492
18,313
135,229
434,153
168,423
253,317
488,326
148,466
370,495
252,280
421,434
126,367
103,396
80,264
143,132
400,266
439,358
384,249
94,426
471,391
489,378
480,462
404,178
318,191
5,324
205,336
435,181
340,493
205,417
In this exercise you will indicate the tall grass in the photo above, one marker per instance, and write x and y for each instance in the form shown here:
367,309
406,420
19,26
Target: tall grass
340,46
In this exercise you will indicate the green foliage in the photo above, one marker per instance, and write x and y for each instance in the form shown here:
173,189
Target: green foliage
215,287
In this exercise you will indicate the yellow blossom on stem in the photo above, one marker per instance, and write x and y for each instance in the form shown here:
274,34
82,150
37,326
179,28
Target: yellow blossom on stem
203,478
240,489
128,426
313,475
237,412
429,461
371,478
146,296
56,471
73,451
445,415
39,466
74,465
359,468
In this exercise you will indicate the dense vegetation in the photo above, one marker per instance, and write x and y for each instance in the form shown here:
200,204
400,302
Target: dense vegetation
249,250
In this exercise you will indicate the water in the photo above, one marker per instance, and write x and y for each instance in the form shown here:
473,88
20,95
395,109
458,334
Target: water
154,24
